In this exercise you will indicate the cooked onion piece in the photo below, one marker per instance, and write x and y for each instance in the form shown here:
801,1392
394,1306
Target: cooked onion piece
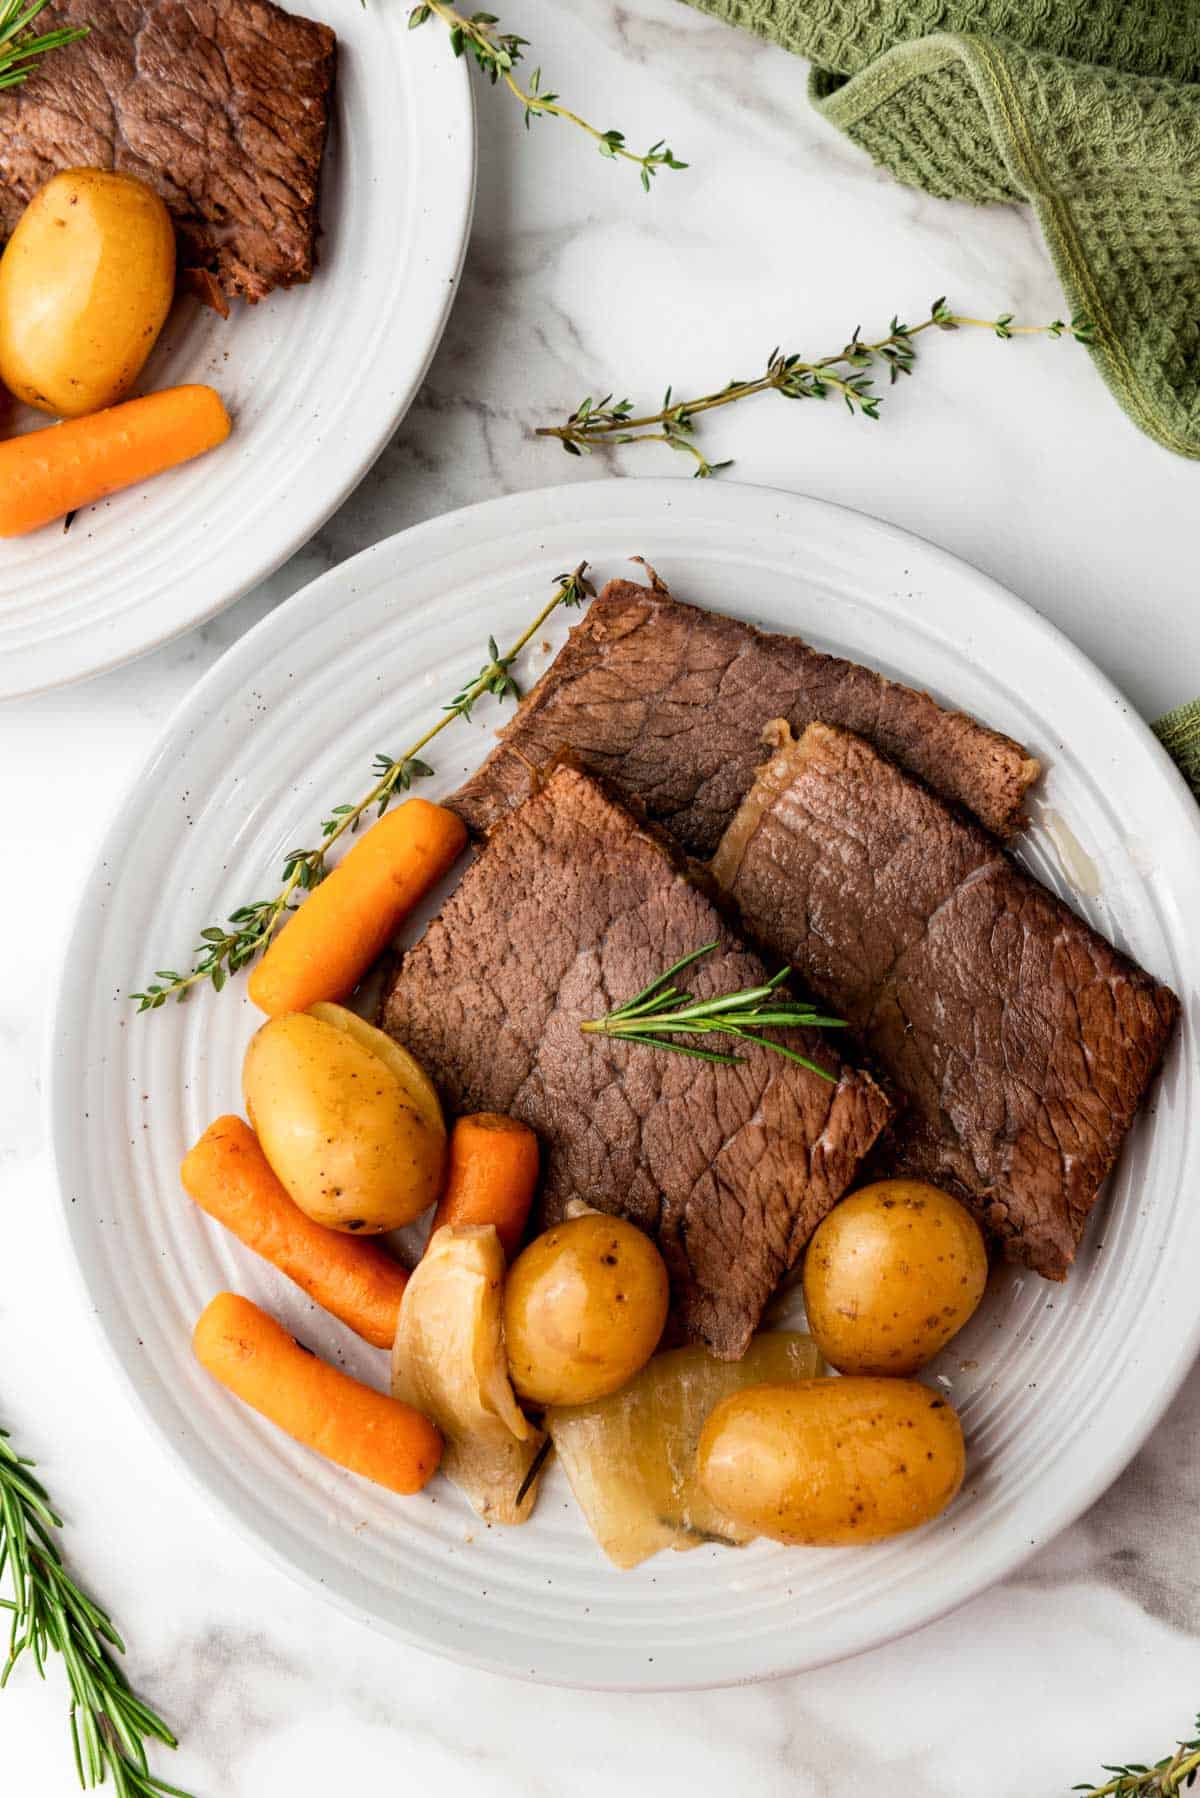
449,1362
631,1458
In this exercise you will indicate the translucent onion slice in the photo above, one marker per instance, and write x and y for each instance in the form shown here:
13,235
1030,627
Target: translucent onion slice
449,1362
631,1458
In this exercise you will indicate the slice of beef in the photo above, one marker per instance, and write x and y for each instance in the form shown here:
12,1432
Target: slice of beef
1022,1041
571,909
668,703
222,105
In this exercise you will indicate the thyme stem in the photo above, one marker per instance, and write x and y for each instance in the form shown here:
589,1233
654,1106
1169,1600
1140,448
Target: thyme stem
1174,1773
226,949
498,55
601,423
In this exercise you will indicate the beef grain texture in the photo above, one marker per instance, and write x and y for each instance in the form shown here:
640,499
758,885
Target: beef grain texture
571,909
222,105
668,703
1022,1041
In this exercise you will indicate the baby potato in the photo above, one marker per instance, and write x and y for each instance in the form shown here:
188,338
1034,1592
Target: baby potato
584,1307
832,1463
85,287
891,1275
356,1139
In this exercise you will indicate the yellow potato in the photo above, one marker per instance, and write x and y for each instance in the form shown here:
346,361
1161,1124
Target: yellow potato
891,1275
85,287
584,1307
348,1130
402,1062
832,1463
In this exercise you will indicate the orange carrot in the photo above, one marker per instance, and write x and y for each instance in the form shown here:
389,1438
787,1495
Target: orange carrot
328,944
229,1177
493,1171
46,473
378,1437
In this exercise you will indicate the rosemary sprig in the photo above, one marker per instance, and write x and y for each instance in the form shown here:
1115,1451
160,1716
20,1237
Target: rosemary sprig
661,1010
224,949
20,47
605,423
1174,1773
498,54
51,1614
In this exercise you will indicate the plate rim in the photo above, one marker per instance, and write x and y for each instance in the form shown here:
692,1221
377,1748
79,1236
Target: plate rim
990,1565
459,228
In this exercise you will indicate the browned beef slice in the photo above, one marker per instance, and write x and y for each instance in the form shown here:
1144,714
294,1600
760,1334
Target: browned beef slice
222,105
668,703
571,909
1022,1040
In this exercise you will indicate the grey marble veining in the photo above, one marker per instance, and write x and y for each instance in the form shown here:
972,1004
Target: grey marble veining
1012,455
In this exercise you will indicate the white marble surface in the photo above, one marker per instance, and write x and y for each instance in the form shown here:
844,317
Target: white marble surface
1012,455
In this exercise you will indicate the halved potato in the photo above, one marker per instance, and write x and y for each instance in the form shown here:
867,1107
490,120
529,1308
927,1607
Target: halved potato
347,1119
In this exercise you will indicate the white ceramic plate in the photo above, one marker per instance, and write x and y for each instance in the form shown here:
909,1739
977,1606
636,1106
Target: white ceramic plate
317,378
1057,1385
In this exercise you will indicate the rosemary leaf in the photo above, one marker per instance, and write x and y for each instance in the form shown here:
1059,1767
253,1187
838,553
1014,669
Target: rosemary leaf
21,48
660,1012
51,1614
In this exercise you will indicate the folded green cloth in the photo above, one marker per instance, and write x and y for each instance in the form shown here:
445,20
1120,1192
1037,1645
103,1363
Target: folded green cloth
1087,109
1179,734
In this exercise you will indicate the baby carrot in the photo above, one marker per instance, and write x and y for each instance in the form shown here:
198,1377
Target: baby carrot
47,473
229,1177
330,941
324,1409
493,1171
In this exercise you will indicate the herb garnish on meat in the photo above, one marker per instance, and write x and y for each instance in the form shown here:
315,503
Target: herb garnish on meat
20,46
662,1010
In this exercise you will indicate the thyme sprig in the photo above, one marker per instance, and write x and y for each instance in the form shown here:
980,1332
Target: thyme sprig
225,949
1174,1773
498,54
51,1614
21,48
606,423
662,1010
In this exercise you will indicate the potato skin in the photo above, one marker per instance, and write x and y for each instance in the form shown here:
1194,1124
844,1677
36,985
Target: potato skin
354,1147
85,287
891,1275
584,1307
832,1463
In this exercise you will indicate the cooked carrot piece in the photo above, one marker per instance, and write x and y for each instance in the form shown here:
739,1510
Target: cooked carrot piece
229,1177
493,1172
330,941
48,473
318,1405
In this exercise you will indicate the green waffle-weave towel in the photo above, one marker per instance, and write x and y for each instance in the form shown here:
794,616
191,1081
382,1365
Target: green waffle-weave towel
1087,109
